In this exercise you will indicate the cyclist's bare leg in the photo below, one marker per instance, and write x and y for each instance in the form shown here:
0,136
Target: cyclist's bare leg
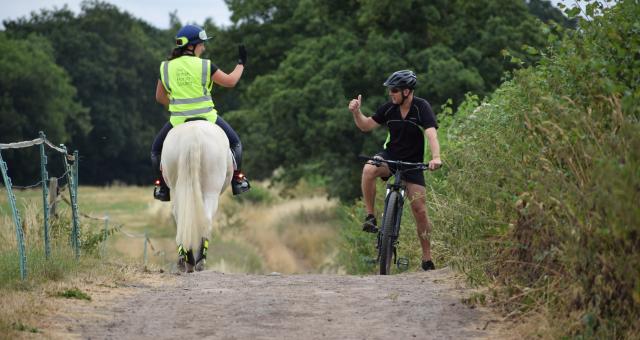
369,175
417,196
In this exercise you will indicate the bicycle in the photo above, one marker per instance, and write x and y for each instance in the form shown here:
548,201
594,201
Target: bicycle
389,230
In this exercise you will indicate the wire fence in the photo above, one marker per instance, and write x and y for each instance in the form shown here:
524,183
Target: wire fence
71,170
52,191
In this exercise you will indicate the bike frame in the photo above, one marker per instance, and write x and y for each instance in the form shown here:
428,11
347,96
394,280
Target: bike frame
399,187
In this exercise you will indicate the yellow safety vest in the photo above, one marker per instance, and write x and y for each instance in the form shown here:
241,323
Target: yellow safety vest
187,81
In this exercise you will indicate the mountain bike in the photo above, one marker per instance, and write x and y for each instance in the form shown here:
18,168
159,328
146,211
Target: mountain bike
389,230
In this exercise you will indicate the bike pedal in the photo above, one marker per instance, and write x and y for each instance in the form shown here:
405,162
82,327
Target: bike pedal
402,263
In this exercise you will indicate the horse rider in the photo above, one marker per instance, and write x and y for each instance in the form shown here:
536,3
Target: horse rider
410,121
184,86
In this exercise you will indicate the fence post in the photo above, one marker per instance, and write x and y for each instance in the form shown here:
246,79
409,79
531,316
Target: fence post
75,231
16,219
146,239
45,194
76,164
106,234
53,195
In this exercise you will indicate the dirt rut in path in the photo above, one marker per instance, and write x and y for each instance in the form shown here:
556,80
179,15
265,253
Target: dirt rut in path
241,306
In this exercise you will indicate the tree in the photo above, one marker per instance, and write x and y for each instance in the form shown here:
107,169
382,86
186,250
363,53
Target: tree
113,60
35,95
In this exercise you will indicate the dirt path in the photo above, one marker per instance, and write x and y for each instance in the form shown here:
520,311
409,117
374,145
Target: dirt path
240,306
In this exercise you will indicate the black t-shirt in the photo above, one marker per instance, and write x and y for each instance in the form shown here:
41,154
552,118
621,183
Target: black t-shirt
406,140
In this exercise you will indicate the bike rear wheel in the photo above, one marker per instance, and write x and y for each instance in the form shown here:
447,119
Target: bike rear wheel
388,223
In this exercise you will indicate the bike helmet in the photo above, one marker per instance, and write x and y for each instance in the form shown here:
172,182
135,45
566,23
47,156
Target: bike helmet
191,35
401,79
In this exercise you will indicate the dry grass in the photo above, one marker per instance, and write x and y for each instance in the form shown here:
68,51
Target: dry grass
292,236
289,236
38,311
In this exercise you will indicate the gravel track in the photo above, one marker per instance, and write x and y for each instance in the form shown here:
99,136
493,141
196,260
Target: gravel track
242,306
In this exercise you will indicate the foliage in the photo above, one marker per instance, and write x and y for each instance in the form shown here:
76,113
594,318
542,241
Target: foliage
307,59
35,95
112,60
62,261
73,293
294,116
540,187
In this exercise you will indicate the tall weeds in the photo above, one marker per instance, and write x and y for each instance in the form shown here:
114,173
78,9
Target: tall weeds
540,193
549,171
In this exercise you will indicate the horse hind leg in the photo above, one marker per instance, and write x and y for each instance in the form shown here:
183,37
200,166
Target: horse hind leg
191,262
202,258
186,260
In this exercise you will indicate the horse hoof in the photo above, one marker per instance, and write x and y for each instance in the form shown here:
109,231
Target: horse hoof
189,268
200,265
181,266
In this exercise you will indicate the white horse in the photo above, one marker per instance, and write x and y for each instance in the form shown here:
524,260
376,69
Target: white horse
197,166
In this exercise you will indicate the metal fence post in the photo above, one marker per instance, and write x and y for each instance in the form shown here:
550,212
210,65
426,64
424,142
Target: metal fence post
71,177
45,198
16,219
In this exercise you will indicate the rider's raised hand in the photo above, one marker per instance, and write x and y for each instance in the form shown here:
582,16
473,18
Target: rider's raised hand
354,105
242,55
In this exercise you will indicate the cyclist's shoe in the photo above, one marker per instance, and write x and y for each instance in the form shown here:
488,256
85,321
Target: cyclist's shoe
369,224
161,191
428,265
239,183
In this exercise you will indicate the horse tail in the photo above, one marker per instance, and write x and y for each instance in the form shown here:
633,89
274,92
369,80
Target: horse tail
191,220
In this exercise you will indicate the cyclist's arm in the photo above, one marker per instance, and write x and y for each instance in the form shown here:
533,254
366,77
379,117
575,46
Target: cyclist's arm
432,137
364,123
228,80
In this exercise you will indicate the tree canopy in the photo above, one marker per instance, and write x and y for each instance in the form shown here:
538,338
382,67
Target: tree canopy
307,59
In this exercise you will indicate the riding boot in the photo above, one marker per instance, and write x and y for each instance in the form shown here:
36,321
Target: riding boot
239,182
161,190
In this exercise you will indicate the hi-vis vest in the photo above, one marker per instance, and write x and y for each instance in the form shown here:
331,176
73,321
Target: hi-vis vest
187,80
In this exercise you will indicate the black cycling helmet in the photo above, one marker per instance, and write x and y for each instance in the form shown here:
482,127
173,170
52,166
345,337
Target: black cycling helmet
402,79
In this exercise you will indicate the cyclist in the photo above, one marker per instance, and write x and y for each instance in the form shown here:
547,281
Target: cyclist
409,120
184,86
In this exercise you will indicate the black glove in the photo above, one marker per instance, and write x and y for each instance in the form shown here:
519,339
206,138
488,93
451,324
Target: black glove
242,55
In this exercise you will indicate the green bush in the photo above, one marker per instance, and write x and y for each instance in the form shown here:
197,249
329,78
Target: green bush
541,183
544,177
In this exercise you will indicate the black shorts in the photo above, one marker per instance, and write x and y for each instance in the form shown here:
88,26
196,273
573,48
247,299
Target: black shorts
412,176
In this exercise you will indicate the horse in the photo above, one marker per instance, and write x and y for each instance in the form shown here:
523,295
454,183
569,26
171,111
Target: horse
197,166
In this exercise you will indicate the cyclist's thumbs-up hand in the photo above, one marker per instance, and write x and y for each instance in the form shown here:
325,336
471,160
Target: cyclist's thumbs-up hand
354,105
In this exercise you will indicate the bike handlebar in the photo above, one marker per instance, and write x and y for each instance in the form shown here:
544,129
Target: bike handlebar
404,165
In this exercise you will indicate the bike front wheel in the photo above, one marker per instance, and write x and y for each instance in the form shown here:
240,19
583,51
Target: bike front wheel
387,240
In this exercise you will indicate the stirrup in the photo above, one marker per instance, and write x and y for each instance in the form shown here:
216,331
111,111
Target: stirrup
240,184
161,191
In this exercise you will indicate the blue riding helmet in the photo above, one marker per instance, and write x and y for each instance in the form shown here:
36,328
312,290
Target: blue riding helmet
191,35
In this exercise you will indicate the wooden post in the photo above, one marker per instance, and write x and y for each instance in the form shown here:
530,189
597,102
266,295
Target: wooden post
53,195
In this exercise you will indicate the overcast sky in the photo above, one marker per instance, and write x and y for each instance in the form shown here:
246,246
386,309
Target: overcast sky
155,12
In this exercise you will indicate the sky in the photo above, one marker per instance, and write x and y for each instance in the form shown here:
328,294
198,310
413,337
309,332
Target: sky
155,12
